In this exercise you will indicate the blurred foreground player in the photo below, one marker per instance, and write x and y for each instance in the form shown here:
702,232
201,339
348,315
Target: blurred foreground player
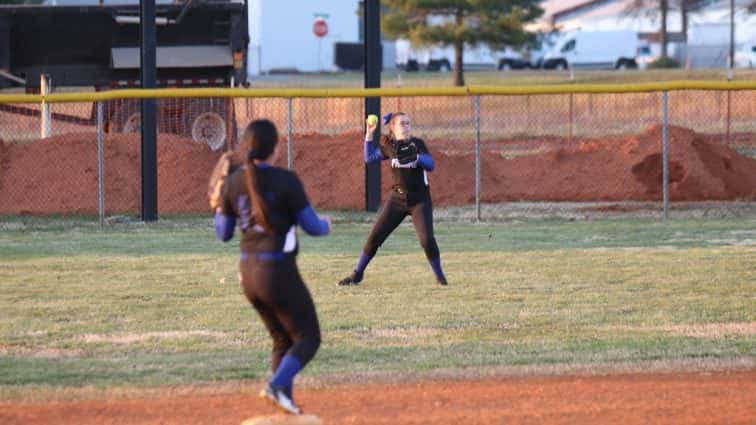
268,203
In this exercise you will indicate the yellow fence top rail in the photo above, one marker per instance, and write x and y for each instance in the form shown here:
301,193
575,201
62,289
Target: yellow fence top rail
382,92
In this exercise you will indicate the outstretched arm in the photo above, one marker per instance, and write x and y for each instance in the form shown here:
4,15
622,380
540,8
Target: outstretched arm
224,226
311,223
306,216
425,160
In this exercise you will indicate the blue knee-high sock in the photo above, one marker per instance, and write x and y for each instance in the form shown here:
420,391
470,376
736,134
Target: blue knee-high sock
436,265
363,263
287,370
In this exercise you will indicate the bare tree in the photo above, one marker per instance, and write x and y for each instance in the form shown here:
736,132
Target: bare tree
684,18
649,8
663,9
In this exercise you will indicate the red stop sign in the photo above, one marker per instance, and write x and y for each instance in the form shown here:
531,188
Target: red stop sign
320,28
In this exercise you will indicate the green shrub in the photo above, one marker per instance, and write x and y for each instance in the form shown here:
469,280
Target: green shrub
664,62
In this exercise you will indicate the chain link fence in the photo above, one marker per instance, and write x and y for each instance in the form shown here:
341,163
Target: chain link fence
590,150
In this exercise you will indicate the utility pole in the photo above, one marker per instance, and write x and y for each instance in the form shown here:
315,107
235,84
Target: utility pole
732,34
148,41
372,60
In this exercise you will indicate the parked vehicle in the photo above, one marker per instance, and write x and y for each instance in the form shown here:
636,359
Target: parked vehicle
593,49
649,53
745,57
510,59
199,45
645,56
535,51
443,58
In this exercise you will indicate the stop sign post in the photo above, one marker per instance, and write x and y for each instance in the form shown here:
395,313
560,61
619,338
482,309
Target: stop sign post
320,29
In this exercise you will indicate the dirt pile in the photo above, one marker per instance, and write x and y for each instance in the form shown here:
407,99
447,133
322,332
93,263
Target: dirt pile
626,168
59,174
623,168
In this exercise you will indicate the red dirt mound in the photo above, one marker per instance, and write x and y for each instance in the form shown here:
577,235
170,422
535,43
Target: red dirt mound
624,168
59,174
3,161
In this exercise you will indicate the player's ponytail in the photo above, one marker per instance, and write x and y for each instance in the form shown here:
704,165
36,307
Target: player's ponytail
388,119
260,139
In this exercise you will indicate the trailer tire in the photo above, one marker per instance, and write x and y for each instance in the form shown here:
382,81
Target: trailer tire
126,118
505,65
210,122
626,64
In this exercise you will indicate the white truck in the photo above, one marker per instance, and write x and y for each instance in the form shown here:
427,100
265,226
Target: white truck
745,57
593,49
442,58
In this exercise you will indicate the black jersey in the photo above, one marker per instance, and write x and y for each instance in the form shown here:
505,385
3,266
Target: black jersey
285,197
414,180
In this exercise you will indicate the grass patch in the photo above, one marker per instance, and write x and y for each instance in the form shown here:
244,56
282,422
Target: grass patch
159,304
510,78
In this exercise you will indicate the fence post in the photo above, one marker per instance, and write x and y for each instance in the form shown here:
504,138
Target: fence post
569,126
729,106
290,129
571,117
729,79
665,155
477,158
100,164
44,89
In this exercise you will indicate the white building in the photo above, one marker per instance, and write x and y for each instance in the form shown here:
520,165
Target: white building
282,35
708,24
605,15
716,14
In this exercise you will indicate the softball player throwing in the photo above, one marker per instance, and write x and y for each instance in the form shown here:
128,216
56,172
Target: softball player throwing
268,202
410,194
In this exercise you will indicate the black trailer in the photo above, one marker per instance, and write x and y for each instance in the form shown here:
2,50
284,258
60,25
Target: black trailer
200,43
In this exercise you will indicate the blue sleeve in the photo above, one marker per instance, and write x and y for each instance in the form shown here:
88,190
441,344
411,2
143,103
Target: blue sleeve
373,153
224,226
426,161
311,223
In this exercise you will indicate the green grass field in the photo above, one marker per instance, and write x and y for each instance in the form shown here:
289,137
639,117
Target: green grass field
497,78
135,305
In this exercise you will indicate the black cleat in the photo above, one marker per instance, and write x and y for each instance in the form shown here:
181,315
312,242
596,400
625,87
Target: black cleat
442,281
277,396
353,279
